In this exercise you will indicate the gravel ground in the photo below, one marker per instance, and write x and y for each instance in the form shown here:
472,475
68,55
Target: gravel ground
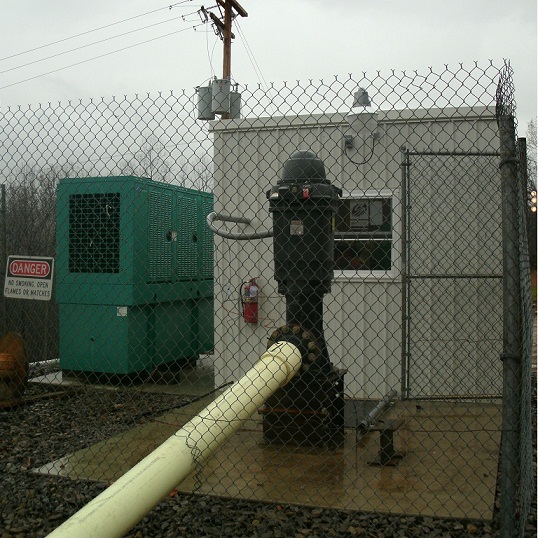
33,505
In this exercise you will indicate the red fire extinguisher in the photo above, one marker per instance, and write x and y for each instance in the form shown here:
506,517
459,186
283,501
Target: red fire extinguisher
249,298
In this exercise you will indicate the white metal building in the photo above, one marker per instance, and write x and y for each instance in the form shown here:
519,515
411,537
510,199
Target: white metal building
428,322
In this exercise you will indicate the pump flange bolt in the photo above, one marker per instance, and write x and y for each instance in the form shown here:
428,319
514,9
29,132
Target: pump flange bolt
299,337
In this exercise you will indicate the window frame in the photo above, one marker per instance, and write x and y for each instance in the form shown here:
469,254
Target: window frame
396,225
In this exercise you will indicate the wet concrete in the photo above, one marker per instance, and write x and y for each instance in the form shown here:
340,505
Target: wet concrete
449,468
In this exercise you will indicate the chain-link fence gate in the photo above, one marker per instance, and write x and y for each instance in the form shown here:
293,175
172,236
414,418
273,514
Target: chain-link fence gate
453,275
366,236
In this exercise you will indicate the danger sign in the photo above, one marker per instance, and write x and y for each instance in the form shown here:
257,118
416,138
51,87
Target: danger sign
29,277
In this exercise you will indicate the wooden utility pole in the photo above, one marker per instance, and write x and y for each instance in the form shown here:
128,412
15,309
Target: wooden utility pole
232,8
227,42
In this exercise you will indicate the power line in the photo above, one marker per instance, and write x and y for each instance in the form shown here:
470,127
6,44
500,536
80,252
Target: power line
169,7
250,54
101,56
254,62
91,44
210,53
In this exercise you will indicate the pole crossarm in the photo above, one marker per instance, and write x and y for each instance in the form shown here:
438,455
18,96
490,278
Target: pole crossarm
235,5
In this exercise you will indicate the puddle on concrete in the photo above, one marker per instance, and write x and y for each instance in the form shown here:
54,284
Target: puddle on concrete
449,469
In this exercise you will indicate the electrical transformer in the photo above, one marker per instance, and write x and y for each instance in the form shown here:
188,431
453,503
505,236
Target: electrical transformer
134,274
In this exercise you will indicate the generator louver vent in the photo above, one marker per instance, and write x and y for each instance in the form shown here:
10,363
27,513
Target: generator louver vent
160,236
186,253
94,233
206,268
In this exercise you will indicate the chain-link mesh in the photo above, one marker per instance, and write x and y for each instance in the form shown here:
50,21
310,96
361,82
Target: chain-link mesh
358,220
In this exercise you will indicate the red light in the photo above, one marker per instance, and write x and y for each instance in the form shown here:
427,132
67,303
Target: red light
306,192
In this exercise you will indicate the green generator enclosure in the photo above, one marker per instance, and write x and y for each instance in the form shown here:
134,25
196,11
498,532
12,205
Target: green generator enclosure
134,274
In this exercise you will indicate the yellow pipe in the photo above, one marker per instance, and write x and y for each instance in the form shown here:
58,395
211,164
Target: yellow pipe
121,506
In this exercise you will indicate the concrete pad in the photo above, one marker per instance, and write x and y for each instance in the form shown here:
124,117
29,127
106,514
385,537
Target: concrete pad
188,382
449,468
107,460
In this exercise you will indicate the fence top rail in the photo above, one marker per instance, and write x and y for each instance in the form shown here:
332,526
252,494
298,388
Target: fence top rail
406,116
453,153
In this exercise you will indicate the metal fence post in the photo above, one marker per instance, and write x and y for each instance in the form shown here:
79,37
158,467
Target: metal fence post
511,355
405,389
3,256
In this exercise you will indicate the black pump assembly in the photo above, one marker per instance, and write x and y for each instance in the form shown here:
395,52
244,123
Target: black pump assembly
309,410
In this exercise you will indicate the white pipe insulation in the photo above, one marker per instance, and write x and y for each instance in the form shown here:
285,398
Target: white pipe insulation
122,505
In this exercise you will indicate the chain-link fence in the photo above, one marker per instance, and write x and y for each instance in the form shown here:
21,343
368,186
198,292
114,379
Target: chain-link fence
361,227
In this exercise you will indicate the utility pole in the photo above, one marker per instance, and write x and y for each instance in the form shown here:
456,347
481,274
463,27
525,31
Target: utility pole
231,8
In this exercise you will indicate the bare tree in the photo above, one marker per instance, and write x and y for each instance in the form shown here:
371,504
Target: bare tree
30,229
156,161
531,190
150,161
531,154
31,210
196,173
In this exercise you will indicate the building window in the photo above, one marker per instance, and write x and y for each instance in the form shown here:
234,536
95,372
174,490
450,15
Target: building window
364,239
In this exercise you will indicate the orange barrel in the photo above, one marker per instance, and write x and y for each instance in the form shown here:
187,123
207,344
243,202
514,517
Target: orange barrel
13,367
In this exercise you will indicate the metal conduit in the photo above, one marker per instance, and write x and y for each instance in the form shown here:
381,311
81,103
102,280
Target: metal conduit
375,413
212,217
121,506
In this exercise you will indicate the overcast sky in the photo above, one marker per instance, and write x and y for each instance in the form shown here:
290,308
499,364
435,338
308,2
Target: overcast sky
280,40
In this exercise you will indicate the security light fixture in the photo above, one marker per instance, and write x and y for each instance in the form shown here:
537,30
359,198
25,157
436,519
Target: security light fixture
361,98
363,124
